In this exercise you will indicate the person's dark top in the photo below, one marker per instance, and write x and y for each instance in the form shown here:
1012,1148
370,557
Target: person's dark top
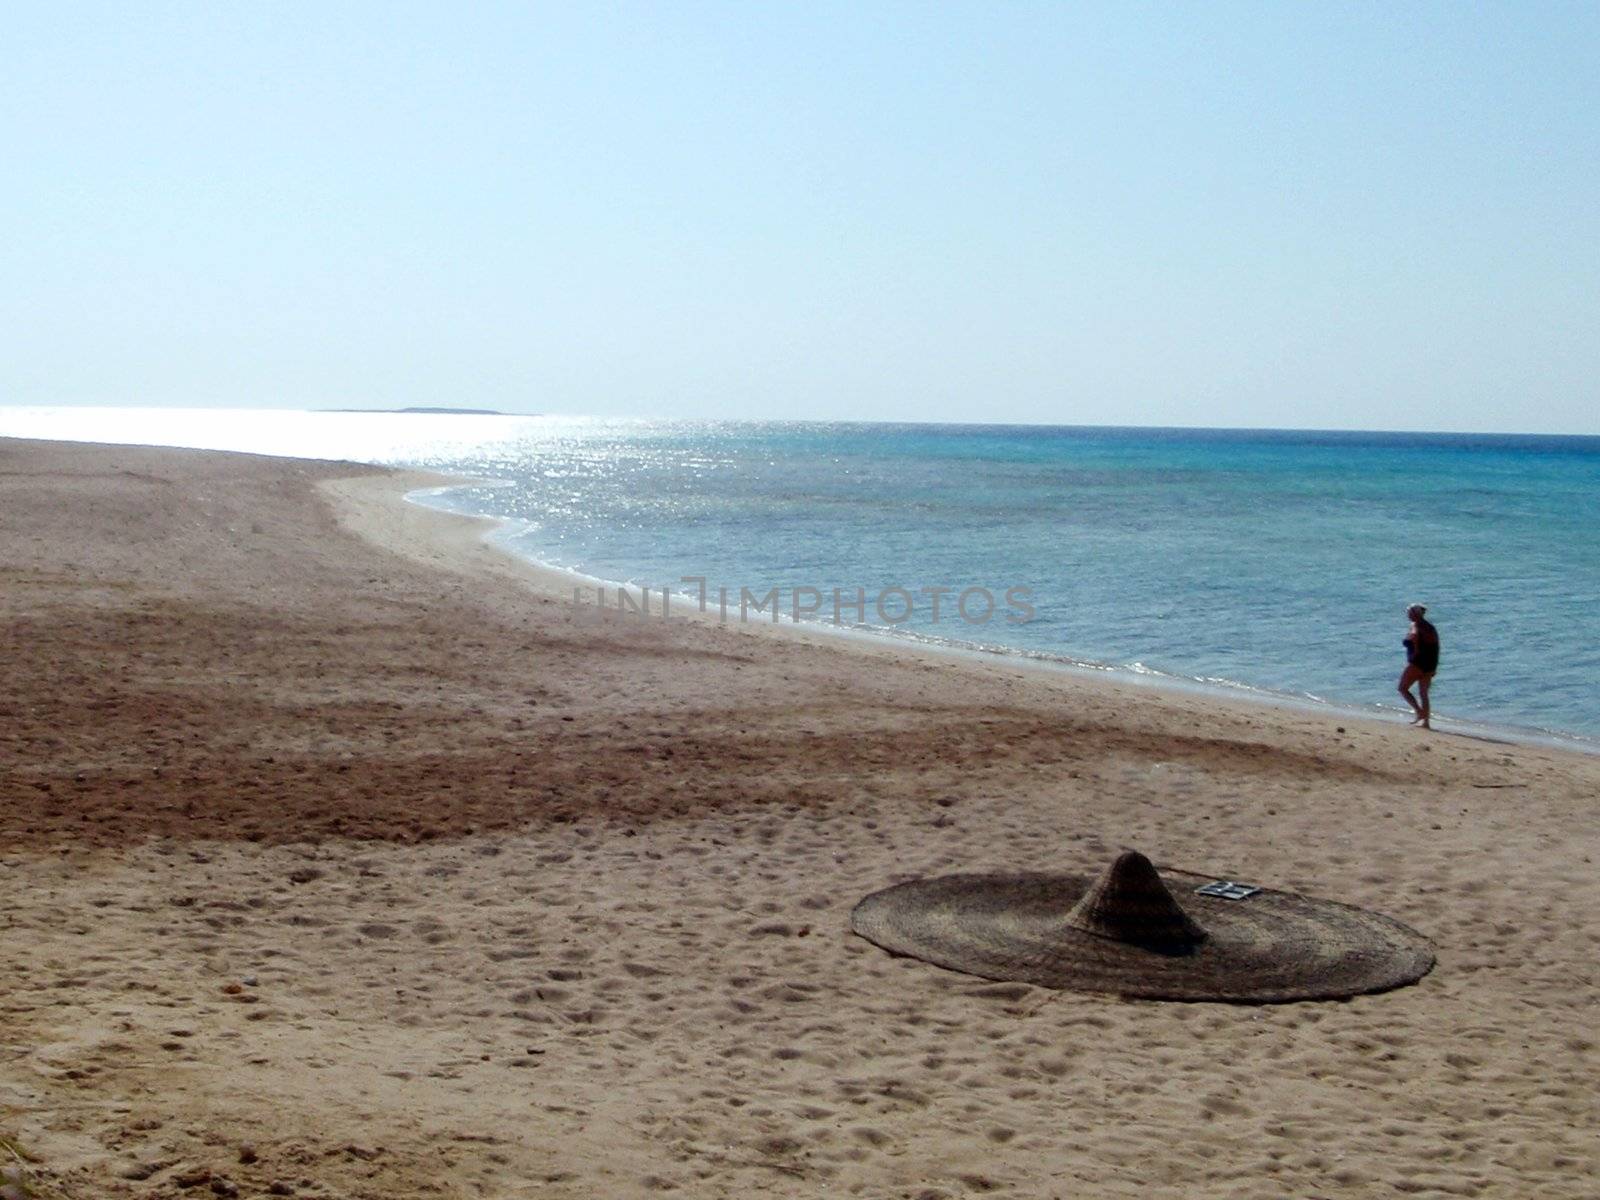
1422,651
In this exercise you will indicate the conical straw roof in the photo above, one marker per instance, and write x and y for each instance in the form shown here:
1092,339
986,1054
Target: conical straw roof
1133,931
1129,903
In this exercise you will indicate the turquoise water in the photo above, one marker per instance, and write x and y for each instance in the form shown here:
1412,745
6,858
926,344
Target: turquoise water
1270,561
1278,561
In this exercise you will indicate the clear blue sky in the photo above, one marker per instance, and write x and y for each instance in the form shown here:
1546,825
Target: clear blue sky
1367,215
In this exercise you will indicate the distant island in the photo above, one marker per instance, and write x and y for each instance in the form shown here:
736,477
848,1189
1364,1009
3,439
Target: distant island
454,412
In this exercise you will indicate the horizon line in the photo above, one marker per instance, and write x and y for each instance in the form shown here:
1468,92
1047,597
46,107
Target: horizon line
451,410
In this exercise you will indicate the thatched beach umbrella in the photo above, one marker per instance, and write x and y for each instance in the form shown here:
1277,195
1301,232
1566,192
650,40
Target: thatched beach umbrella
1125,933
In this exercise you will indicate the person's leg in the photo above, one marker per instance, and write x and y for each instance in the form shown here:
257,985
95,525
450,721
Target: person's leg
1422,687
1407,677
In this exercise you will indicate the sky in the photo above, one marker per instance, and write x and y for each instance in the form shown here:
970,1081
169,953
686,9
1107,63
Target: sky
1373,216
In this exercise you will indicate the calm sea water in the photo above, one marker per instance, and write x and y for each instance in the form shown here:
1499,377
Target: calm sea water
1274,562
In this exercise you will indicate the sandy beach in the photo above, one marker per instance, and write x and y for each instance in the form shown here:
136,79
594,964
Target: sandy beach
345,858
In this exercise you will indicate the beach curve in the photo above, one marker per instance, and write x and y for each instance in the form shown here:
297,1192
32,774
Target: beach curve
368,854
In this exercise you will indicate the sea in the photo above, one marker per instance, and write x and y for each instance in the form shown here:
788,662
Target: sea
1268,564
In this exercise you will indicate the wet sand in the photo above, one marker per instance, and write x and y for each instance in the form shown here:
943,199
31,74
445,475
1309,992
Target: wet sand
337,842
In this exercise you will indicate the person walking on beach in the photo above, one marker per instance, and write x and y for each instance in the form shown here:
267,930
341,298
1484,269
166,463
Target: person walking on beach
1422,660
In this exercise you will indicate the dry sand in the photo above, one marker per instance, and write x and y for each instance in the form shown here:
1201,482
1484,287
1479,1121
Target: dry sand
327,836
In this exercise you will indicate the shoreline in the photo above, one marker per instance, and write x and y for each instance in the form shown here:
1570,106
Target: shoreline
341,860
559,582
1224,690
